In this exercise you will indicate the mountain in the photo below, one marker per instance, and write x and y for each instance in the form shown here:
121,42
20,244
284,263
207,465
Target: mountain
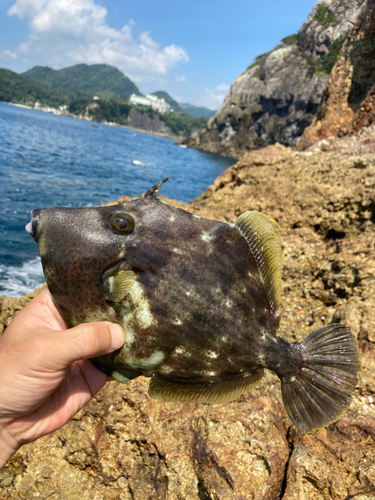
15,88
168,99
191,110
197,110
83,80
277,96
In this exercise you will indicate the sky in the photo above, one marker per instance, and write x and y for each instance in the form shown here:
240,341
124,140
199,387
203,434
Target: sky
192,49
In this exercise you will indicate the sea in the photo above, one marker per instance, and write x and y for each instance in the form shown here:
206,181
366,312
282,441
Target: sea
49,160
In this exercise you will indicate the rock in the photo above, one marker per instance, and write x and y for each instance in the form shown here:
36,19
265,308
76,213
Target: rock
144,121
276,97
125,446
348,100
9,306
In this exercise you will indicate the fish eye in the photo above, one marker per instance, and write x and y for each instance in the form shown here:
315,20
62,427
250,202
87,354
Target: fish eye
122,223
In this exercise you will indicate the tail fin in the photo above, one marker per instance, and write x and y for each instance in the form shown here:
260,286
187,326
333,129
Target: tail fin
322,389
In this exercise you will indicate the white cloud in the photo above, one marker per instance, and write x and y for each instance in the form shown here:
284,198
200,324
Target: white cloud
8,55
180,78
213,98
67,32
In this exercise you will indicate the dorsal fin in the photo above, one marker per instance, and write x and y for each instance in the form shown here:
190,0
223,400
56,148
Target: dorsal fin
259,232
154,191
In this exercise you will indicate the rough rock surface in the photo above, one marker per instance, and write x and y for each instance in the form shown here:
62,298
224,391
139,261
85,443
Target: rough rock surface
276,98
144,121
125,446
348,101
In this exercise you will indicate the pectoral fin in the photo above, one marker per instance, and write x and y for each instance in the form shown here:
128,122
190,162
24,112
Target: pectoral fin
163,389
119,285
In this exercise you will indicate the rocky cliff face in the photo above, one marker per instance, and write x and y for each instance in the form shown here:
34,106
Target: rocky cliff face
125,446
348,101
150,123
276,98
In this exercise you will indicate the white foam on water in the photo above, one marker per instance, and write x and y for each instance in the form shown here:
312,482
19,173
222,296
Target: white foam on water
18,281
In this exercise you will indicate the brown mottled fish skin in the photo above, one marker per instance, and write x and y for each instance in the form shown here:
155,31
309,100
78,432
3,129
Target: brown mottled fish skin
198,311
195,311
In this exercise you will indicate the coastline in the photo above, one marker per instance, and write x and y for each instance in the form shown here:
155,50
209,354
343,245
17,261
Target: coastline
56,111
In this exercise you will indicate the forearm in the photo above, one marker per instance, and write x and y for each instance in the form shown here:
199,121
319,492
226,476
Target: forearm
8,446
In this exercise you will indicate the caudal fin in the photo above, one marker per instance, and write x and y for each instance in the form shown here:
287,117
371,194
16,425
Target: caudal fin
322,387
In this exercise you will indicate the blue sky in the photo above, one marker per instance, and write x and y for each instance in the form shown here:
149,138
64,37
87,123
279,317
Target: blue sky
192,49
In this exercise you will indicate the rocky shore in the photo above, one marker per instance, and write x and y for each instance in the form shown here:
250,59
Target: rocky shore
125,446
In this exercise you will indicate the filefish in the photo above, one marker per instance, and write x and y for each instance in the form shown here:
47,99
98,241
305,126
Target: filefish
198,300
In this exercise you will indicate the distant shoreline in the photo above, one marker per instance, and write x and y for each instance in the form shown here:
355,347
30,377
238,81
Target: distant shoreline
55,111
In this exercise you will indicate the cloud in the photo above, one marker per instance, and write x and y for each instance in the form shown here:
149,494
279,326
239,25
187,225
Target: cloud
8,55
67,32
180,78
213,98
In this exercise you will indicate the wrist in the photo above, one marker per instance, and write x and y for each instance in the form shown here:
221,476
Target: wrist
8,446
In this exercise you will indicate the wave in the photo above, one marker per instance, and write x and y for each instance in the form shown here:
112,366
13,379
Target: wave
18,281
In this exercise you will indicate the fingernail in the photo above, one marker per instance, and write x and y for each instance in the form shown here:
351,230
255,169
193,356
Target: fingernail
118,336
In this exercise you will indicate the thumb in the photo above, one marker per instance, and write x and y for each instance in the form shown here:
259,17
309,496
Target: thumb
85,341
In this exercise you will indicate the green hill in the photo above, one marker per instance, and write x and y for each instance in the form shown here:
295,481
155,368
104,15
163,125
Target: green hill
191,110
15,88
83,80
168,99
75,87
197,110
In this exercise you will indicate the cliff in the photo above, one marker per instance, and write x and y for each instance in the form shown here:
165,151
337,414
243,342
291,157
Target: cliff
348,102
276,97
125,446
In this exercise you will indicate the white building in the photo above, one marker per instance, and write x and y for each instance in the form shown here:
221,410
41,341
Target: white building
156,103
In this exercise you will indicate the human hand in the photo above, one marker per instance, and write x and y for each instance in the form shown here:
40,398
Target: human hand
45,374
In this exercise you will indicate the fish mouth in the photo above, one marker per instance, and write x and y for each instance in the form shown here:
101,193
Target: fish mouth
32,226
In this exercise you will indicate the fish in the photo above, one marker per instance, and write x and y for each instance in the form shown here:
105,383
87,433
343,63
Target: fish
198,300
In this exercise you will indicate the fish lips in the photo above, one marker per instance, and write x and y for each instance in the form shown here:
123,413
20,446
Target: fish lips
33,225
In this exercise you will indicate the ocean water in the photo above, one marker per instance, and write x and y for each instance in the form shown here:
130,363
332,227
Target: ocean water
48,160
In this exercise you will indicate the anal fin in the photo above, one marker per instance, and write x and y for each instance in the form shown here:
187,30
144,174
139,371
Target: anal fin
223,391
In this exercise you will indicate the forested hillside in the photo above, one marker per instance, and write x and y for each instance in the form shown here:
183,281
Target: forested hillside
83,80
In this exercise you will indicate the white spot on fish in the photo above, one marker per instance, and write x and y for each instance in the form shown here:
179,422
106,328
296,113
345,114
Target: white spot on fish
172,219
206,237
211,354
228,303
182,350
177,250
196,216
188,293
292,378
137,313
249,274
224,338
177,322
147,363
264,335
211,374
